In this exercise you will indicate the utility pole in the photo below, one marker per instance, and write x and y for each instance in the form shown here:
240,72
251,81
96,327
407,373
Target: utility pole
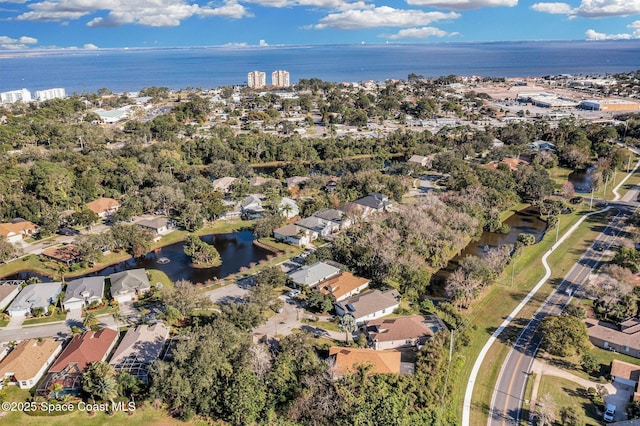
629,163
604,194
591,202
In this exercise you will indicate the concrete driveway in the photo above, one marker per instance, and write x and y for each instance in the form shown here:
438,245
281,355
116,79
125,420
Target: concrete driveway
620,399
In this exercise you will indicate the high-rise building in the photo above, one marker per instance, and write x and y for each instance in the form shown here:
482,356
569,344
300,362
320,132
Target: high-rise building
256,79
43,95
280,78
15,95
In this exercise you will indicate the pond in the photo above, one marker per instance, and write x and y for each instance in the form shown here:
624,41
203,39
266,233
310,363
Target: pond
581,180
236,251
524,221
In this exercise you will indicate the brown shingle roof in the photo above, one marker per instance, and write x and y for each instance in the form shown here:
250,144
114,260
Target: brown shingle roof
68,253
85,349
403,328
625,370
17,228
347,359
343,284
26,359
609,333
102,204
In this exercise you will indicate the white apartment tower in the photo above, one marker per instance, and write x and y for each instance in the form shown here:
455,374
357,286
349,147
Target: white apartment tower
280,78
256,79
57,93
15,95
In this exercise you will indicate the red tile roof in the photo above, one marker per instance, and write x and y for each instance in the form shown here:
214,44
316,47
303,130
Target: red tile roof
85,349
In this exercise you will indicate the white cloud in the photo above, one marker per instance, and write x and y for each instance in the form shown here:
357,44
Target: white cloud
383,16
593,35
635,26
553,8
153,13
463,4
419,33
593,8
326,4
23,42
90,46
263,43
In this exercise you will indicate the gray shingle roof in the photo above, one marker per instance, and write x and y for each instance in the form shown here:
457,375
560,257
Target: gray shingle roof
129,282
312,275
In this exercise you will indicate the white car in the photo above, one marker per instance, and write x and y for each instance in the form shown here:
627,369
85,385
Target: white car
609,413
293,293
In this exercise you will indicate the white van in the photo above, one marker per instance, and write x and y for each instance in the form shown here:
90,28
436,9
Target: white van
609,413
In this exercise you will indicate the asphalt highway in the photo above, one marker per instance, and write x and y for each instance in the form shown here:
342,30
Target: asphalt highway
506,406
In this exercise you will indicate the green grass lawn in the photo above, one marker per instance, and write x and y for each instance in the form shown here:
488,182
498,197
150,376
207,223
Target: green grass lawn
46,319
565,394
499,300
157,276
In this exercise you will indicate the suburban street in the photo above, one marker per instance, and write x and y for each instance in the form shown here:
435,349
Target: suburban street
508,394
59,329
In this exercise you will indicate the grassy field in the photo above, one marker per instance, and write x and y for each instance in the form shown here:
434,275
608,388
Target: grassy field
144,415
567,394
603,357
500,300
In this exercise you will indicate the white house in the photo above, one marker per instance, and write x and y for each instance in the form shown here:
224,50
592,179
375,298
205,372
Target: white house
33,296
312,275
81,293
370,305
28,361
288,208
318,226
292,234
128,285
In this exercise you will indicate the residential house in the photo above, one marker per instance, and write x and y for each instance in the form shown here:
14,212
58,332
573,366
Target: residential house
128,285
344,285
251,207
233,209
288,208
83,292
332,185
67,254
401,332
160,226
295,182
293,234
421,160
541,146
8,291
81,351
626,374
34,296
374,203
336,216
370,305
347,361
259,181
312,275
625,339
318,226
224,184
28,361
18,229
512,163
104,207
352,211
140,347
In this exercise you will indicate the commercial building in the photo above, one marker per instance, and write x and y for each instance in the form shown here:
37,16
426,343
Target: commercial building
57,93
609,105
256,79
15,96
280,78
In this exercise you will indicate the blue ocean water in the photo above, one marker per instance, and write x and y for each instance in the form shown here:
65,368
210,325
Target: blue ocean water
133,69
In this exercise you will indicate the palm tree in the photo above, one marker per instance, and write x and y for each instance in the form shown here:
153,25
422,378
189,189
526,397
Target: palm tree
348,325
90,321
56,389
99,382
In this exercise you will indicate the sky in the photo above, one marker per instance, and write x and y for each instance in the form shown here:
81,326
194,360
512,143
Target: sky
96,24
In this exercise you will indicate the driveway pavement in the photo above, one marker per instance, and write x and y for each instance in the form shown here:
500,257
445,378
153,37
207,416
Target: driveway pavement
620,398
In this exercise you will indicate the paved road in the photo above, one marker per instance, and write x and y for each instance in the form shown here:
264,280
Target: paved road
508,395
60,330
